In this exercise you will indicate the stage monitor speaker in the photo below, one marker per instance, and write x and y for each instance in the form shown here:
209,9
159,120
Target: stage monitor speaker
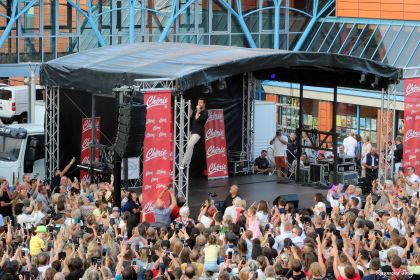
346,178
292,198
130,131
346,167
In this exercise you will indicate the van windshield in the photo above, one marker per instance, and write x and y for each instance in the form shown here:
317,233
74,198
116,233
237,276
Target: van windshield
9,148
5,94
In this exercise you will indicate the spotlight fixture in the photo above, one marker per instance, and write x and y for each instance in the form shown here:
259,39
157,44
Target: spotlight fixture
375,83
273,76
221,84
205,89
362,80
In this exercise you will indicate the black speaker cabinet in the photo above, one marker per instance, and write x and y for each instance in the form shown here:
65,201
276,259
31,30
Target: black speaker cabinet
130,131
293,198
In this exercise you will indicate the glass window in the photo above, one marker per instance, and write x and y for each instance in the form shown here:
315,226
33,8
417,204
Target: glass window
363,40
396,47
352,38
219,40
319,37
220,17
30,50
346,119
203,16
386,43
369,123
340,38
266,41
186,20
330,37
31,19
311,36
374,41
409,48
415,59
267,15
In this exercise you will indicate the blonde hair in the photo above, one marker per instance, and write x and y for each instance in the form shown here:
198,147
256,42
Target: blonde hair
315,269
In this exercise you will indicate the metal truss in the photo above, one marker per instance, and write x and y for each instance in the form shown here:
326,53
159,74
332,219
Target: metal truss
181,135
52,131
155,84
387,132
248,96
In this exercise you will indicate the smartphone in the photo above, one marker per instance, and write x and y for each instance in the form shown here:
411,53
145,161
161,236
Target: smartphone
243,260
361,237
137,247
230,255
104,252
99,262
61,256
133,262
26,275
269,235
149,258
282,210
167,252
408,255
22,253
241,230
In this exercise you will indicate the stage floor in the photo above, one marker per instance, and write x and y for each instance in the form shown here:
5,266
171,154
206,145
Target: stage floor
251,188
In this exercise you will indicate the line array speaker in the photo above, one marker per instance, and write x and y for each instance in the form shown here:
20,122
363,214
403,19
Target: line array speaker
130,131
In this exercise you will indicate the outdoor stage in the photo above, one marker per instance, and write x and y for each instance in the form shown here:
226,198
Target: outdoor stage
251,188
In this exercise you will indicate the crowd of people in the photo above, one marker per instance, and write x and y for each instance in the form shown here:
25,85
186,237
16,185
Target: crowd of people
72,230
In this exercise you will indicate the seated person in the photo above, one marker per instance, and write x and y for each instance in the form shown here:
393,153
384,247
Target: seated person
303,162
341,153
261,164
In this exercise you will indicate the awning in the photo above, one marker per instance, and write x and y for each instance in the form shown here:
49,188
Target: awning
101,69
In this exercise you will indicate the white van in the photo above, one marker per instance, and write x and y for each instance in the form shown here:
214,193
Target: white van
14,103
22,151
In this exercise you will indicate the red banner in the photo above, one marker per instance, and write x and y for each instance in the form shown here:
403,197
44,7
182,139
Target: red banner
158,149
85,147
412,123
214,132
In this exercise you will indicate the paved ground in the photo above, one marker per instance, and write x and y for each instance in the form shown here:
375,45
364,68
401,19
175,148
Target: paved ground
252,188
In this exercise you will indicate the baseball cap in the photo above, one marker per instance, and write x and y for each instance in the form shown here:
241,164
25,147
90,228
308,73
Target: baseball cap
116,209
41,229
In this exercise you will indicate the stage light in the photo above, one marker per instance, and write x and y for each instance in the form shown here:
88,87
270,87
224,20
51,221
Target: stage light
375,83
206,89
362,80
221,84
273,76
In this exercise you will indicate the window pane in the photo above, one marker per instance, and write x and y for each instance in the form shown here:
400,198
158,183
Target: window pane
409,48
415,60
186,19
363,40
310,36
374,41
330,37
352,38
203,16
220,17
319,38
396,48
386,43
340,38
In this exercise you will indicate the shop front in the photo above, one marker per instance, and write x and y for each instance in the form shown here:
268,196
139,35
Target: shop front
357,111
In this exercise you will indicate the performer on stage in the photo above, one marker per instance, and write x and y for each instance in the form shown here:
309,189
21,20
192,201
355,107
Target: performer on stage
198,121
279,143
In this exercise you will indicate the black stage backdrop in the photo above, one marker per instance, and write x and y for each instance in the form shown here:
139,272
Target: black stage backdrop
75,105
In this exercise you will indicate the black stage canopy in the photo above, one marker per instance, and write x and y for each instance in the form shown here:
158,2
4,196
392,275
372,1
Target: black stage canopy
101,69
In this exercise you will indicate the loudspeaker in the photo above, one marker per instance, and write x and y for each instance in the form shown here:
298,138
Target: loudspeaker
293,198
130,131
346,178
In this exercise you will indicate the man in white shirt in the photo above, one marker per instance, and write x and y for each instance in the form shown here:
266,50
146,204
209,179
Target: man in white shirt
350,144
285,232
279,143
411,176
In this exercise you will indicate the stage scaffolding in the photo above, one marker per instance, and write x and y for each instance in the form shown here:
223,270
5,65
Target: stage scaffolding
52,131
387,132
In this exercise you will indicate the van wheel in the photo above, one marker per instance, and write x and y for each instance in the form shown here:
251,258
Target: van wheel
23,118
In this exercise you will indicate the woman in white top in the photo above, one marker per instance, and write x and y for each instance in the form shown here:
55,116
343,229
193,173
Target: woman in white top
366,147
262,212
